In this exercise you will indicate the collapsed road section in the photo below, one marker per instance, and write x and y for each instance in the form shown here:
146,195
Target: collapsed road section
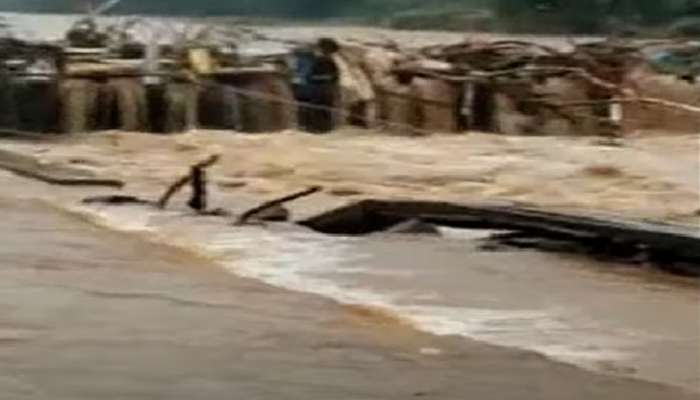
672,248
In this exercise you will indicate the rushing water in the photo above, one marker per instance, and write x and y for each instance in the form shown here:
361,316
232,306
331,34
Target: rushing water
89,313
566,308
605,317
621,322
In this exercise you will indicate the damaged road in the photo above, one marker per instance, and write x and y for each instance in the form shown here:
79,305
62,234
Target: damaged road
673,248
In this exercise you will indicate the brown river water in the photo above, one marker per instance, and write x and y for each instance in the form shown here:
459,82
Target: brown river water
189,307
127,302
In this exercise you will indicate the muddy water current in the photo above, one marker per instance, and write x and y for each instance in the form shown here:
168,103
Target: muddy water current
573,310
127,302
88,310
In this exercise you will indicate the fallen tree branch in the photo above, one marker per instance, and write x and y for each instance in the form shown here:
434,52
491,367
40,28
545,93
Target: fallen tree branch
28,167
172,190
52,180
183,181
117,200
250,214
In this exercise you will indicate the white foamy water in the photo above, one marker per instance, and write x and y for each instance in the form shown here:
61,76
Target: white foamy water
444,287
308,263
130,219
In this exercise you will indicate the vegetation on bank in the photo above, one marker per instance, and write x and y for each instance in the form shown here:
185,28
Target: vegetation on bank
544,16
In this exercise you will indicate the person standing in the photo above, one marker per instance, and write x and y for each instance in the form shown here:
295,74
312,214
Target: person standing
317,86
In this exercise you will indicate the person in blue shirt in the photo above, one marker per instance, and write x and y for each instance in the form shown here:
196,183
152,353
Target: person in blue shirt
316,78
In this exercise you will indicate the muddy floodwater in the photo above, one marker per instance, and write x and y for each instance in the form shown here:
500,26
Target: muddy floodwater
285,313
131,302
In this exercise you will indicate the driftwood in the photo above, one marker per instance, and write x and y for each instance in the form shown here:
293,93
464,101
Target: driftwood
254,212
65,181
117,200
28,167
60,181
182,182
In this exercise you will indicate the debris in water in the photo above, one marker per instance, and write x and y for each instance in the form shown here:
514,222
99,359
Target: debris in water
273,210
197,179
117,200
